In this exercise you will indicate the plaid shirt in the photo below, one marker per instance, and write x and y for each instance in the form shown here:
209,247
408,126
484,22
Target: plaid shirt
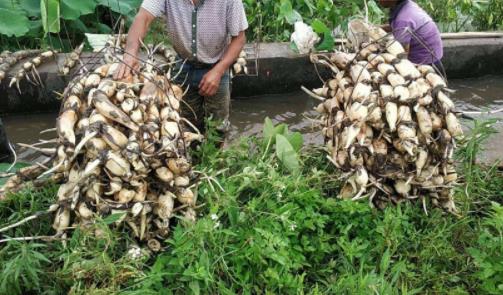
200,33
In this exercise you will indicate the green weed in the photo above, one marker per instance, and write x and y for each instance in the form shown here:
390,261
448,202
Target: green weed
265,230
488,252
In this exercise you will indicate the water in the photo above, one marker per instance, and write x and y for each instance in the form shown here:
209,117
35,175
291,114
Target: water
296,110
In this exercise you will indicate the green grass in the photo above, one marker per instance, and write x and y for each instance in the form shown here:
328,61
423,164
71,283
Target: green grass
264,230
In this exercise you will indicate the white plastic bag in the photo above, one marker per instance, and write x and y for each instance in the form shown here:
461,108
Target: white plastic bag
304,37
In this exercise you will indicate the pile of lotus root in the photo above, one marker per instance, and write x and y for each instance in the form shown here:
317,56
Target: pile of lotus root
121,149
388,124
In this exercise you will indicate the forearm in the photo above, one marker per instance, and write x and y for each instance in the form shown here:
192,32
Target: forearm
138,31
232,53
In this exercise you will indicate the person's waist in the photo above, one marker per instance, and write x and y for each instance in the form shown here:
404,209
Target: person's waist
200,65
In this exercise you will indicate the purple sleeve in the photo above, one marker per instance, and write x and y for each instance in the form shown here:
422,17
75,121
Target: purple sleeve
401,31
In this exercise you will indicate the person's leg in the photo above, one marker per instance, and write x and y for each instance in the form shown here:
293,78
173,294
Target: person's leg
192,104
217,106
192,108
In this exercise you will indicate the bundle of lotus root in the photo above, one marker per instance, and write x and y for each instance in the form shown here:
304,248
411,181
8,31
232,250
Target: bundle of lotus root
31,67
239,66
121,149
388,124
9,59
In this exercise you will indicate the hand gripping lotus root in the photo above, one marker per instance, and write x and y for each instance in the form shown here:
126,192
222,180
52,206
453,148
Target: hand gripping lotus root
388,124
122,148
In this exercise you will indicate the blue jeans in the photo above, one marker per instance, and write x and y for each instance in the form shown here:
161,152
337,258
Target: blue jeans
196,107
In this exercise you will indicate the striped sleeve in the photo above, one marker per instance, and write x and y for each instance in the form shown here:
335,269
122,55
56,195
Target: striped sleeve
155,7
236,17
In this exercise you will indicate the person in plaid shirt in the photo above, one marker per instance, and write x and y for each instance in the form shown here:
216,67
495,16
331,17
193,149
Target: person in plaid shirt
209,34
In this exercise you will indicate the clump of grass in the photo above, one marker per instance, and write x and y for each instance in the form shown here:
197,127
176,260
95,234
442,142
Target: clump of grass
481,184
266,229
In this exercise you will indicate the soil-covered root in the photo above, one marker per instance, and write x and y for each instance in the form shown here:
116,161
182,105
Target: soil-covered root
388,124
122,150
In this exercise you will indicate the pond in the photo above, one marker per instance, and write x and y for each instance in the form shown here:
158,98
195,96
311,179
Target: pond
296,110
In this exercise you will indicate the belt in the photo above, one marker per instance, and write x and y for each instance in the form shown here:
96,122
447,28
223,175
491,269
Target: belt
199,65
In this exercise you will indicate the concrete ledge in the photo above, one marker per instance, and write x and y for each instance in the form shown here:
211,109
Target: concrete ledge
467,58
279,70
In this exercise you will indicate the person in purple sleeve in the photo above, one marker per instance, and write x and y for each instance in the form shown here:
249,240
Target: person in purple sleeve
415,30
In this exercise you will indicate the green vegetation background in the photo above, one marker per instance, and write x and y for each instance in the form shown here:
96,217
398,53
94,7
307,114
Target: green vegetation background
271,223
268,226
62,23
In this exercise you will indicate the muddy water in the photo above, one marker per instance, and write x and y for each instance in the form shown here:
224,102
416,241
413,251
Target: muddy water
294,109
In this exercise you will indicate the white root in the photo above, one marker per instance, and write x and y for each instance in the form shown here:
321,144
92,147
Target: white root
388,124
114,142
312,94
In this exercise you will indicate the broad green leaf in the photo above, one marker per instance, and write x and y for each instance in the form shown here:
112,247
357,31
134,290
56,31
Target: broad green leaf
35,26
50,15
123,7
327,43
13,22
287,12
268,129
71,9
285,8
286,154
319,27
78,25
296,140
32,7
103,29
281,129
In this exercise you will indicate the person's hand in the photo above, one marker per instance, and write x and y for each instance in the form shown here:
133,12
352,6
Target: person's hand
211,82
129,62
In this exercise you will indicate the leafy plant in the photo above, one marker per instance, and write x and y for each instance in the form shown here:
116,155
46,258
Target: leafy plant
273,20
488,253
488,15
328,41
287,144
475,177
49,10
24,269
264,230
60,24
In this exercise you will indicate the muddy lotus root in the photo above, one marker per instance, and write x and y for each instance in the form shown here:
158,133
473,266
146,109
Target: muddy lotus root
122,149
388,124
9,59
240,66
